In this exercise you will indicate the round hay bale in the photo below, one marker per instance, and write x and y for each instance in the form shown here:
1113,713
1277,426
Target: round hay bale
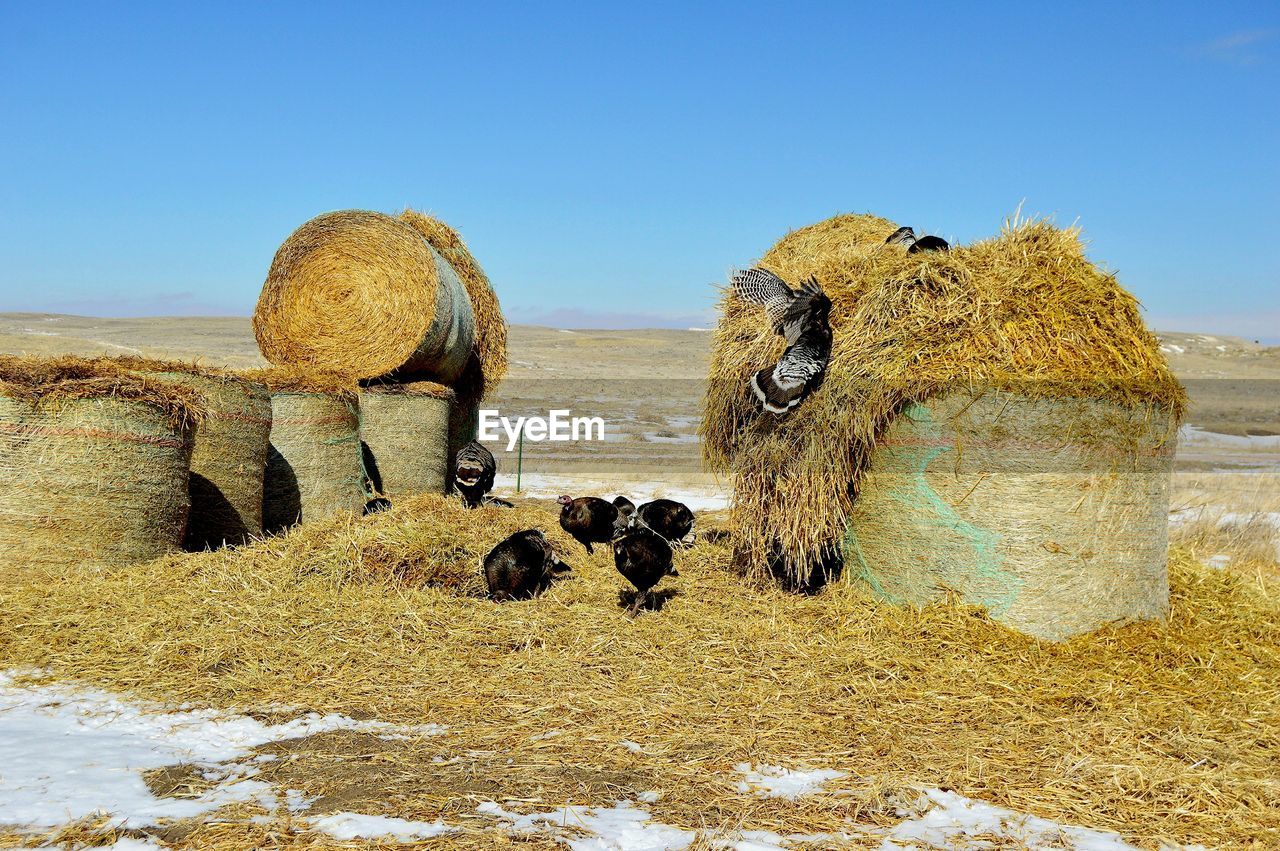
489,364
314,468
405,431
93,463
1052,514
1025,312
228,462
361,294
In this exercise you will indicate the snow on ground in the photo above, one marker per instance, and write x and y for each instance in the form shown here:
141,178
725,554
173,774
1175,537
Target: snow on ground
773,781
539,486
670,437
347,826
68,752
948,817
1193,436
623,827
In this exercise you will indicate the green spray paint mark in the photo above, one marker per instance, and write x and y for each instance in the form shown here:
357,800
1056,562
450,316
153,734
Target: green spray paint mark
974,566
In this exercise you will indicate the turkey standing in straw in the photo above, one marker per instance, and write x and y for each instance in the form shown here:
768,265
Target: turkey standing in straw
802,317
643,557
589,519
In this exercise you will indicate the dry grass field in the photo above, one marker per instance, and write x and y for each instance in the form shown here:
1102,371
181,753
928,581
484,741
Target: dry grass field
527,724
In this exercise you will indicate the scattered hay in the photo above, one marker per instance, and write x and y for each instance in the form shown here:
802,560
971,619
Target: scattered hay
491,328
405,431
1025,312
93,463
1162,731
361,294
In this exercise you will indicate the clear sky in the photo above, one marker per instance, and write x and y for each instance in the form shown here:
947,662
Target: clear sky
609,163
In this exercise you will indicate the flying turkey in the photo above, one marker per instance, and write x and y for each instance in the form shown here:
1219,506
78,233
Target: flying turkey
589,519
643,557
803,318
522,566
473,473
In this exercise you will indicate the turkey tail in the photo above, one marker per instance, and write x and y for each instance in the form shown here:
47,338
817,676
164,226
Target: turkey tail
775,397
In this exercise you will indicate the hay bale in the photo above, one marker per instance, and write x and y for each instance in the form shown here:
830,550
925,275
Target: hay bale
489,362
93,463
228,461
362,294
1025,312
1050,513
405,431
314,467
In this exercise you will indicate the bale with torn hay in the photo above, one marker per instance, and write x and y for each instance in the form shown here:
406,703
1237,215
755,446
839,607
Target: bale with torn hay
93,463
379,298
314,466
404,428
229,457
995,421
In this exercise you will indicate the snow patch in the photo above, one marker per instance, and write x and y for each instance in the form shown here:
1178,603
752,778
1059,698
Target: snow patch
69,752
622,827
348,826
772,781
948,817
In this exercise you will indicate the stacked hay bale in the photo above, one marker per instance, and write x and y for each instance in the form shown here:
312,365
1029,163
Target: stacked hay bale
404,429
995,421
389,301
314,467
229,457
94,463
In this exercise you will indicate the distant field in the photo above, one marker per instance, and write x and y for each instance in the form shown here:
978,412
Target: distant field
647,384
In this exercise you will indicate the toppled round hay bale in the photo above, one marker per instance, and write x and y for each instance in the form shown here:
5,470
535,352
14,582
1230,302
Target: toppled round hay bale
229,459
362,294
314,467
93,463
1025,312
489,363
405,431
1052,514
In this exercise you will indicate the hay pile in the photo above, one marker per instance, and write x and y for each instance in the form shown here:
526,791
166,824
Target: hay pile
404,428
1162,731
93,462
1024,312
314,463
229,457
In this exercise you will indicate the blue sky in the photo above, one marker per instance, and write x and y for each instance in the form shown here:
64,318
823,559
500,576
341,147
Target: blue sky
609,164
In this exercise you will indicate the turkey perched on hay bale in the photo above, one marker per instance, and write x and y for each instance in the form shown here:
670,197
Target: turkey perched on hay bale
994,420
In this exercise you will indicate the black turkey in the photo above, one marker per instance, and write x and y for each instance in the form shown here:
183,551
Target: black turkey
522,566
907,238
473,473
377,505
589,519
670,519
643,557
803,318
